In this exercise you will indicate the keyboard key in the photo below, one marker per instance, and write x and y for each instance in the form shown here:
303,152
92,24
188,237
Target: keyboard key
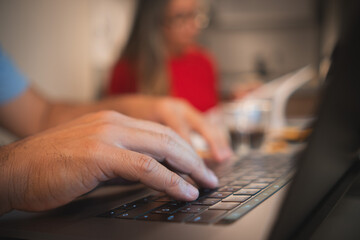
205,192
259,173
126,206
126,215
240,183
236,198
193,209
249,177
112,213
169,208
164,210
224,206
265,180
250,191
224,182
133,205
228,178
141,210
273,175
257,185
236,173
146,199
230,189
220,194
164,199
206,201
177,217
208,216
178,204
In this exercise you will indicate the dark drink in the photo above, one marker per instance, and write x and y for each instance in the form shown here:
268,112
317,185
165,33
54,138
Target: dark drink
254,138
235,136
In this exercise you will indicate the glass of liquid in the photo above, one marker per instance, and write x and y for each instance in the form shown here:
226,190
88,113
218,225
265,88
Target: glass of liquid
248,123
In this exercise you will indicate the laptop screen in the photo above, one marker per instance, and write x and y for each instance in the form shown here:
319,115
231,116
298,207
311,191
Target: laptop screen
329,162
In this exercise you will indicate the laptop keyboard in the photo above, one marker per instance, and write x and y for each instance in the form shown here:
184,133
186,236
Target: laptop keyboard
246,185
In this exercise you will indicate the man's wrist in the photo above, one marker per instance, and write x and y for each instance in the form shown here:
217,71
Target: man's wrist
5,158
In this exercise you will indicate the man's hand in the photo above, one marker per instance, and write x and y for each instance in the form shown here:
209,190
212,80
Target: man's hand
54,167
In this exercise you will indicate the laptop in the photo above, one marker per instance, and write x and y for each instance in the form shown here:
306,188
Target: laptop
282,196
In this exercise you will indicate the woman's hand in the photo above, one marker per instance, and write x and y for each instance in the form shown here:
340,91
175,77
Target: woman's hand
183,118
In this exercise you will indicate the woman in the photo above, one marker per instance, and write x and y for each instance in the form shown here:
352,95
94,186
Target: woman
162,57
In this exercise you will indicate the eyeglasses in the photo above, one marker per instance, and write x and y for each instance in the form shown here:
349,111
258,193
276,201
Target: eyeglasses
200,19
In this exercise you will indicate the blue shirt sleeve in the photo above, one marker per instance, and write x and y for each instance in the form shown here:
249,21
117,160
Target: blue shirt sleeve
12,82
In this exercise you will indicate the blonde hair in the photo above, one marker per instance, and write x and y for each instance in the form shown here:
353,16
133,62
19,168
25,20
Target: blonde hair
145,47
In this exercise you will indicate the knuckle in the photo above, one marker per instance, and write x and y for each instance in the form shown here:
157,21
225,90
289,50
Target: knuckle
165,138
107,115
105,122
103,128
147,165
173,180
93,148
198,165
169,132
92,144
168,140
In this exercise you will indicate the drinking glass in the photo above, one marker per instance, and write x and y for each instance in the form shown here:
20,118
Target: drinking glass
247,122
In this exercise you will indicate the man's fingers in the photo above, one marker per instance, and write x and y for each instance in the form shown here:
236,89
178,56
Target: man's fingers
182,129
157,141
139,167
167,145
179,127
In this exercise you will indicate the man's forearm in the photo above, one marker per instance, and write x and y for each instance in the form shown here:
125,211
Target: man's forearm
5,205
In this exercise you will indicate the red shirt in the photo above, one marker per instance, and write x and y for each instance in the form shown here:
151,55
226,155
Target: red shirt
192,77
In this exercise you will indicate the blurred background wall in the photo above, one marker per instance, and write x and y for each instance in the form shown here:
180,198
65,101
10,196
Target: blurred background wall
64,47
67,47
261,37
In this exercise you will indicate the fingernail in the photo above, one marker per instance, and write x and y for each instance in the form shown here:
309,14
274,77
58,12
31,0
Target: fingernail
226,153
229,152
191,191
213,178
